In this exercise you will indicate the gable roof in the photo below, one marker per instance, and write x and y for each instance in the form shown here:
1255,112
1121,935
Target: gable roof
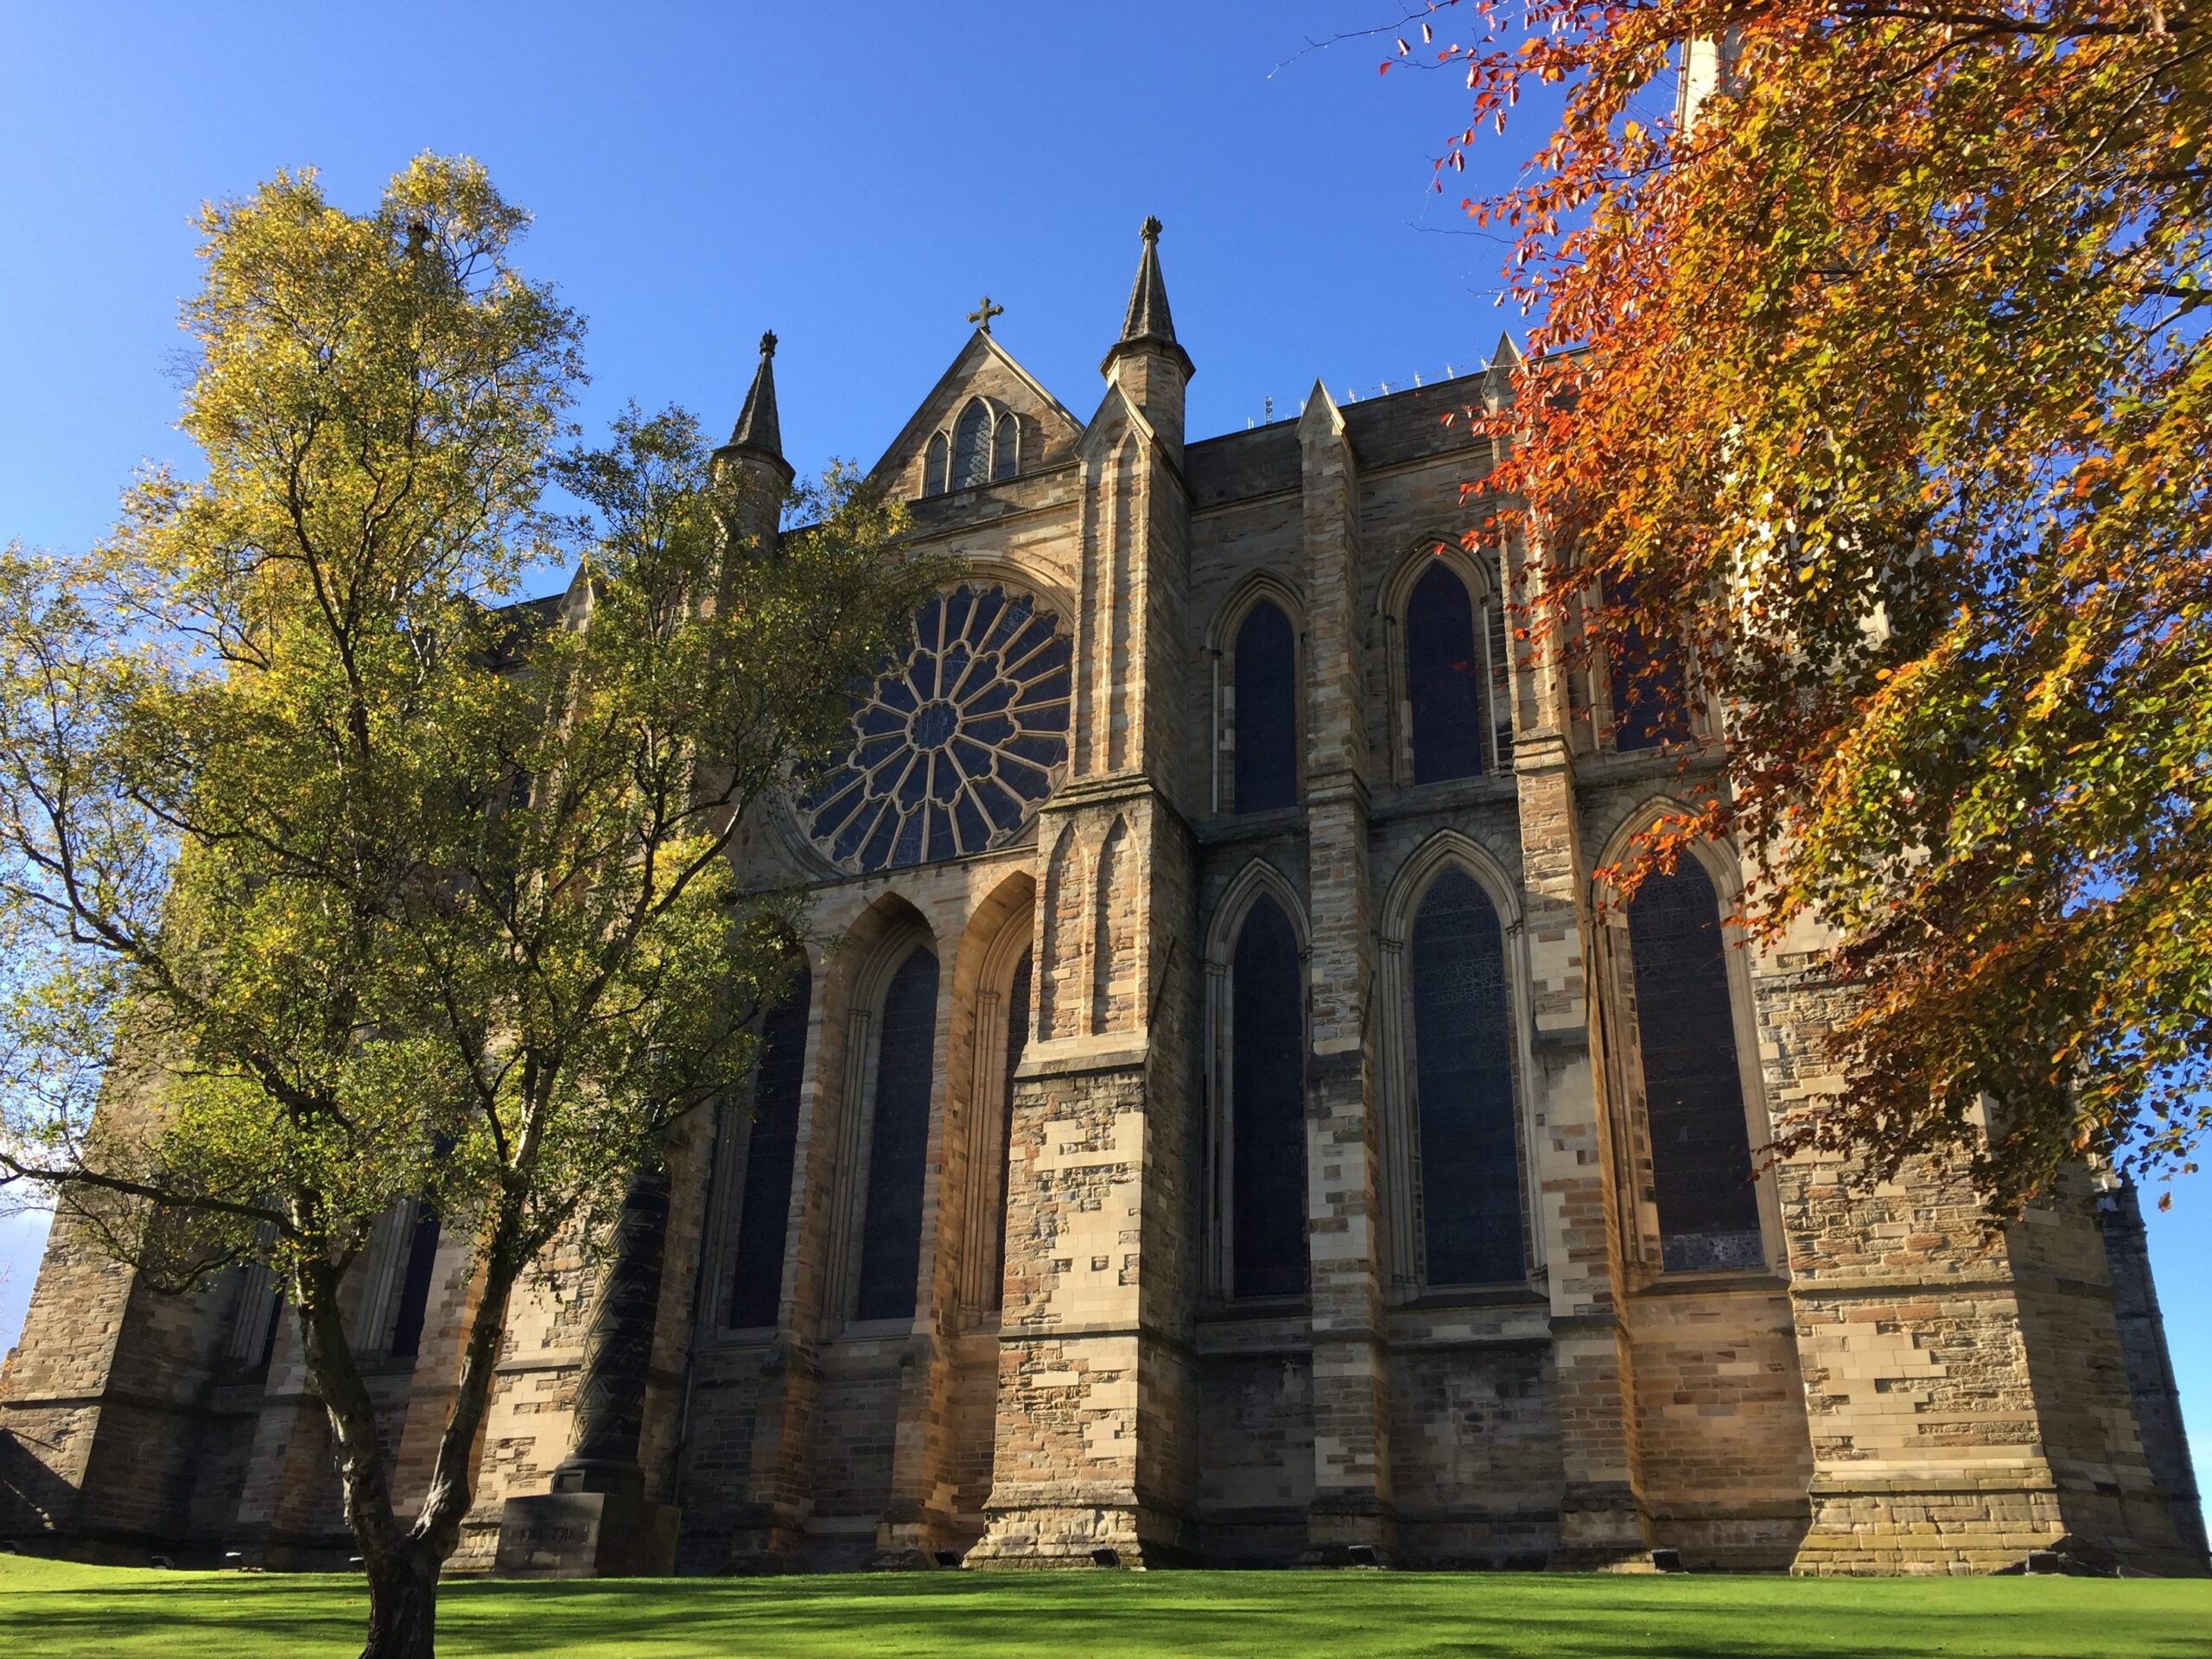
985,368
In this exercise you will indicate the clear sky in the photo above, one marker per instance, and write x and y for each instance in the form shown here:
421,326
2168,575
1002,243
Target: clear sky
854,177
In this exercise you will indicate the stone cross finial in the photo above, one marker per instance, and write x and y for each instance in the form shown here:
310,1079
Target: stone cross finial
768,344
981,316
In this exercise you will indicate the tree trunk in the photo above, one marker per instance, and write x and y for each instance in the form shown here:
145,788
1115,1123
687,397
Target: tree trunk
402,1604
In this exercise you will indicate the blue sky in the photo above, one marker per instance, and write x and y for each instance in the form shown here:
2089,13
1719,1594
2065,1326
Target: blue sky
854,177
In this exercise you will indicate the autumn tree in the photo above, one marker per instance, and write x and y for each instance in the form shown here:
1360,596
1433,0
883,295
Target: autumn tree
334,878
1869,362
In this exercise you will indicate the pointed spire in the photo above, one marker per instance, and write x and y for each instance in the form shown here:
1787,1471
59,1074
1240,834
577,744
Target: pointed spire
757,431
1149,317
1148,325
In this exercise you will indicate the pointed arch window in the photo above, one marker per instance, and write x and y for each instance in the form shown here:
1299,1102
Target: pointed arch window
1472,1226
1265,732
1649,689
1692,1082
1443,688
414,1302
1006,448
934,461
971,445
1266,1108
764,1201
891,1237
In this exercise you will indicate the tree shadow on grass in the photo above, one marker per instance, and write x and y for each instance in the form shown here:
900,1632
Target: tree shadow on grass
1233,1616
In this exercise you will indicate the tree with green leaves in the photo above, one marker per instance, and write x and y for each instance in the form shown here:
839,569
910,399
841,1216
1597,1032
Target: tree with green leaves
331,878
1884,383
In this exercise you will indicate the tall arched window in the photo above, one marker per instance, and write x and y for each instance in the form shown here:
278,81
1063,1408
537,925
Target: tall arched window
1017,1043
1266,729
1442,681
1693,1091
1463,1080
763,1205
971,445
1266,1108
1650,690
1006,448
933,464
414,1300
891,1236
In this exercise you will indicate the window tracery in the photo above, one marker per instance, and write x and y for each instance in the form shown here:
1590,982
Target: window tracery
953,749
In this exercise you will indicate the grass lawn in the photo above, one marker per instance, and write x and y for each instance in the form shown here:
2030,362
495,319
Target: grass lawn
59,1611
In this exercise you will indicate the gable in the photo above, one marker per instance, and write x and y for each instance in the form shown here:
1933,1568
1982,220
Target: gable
983,370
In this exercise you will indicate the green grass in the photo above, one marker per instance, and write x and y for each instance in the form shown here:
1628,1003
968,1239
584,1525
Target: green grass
59,1611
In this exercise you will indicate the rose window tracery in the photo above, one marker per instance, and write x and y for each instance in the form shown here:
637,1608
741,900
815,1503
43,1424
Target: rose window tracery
953,749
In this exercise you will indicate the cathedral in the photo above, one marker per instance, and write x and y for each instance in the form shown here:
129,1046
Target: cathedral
1224,1120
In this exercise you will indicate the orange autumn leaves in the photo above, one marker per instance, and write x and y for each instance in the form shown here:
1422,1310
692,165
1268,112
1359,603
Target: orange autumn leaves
1881,385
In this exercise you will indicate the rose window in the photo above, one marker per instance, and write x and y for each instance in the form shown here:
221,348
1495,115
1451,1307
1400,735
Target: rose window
953,750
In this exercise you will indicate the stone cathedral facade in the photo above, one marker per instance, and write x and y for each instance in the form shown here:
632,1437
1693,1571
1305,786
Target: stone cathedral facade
1222,1120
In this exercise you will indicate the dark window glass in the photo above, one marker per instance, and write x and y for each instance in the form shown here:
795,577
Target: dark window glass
891,1242
1441,681
1017,1042
1700,1148
1267,710
1462,1069
1268,1107
1005,450
1651,692
971,447
765,1202
933,465
415,1285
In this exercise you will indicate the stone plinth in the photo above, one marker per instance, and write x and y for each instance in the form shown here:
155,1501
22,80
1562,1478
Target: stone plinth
587,1535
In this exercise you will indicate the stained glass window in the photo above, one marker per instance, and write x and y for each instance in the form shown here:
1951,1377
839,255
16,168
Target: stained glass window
898,1141
952,750
1268,1107
1651,692
971,445
764,1201
933,464
1463,1073
1006,448
1267,710
414,1284
1442,681
1693,1093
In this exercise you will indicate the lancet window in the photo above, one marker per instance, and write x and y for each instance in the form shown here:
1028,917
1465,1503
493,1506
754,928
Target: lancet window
1443,678
1472,1230
891,1237
764,1201
1693,1081
1265,729
1266,1108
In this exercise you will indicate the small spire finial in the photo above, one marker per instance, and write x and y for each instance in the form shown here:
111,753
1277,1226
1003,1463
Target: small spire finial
981,316
1150,229
768,343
